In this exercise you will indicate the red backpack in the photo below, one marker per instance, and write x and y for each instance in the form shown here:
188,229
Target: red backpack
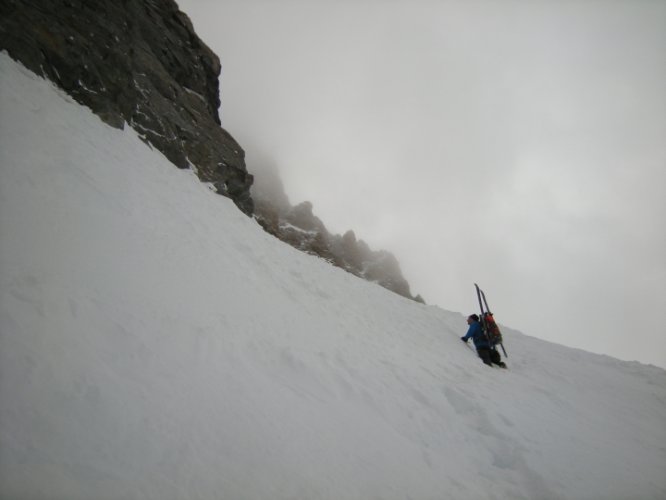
488,324
491,329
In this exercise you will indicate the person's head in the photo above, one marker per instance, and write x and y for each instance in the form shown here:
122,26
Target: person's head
472,318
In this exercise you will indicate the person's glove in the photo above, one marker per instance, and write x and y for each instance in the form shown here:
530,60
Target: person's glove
463,339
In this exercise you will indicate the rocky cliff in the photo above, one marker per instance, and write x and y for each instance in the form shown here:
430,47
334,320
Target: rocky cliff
137,62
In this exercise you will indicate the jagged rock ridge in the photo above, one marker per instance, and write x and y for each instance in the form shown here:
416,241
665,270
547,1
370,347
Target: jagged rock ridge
299,227
137,62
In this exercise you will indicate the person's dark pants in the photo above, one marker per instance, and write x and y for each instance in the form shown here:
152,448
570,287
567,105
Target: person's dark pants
489,356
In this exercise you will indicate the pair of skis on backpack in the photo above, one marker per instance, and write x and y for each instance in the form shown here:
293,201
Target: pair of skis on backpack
490,330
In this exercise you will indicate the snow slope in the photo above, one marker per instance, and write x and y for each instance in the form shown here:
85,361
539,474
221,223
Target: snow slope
155,343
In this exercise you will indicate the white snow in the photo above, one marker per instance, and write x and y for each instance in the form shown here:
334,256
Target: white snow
155,343
287,225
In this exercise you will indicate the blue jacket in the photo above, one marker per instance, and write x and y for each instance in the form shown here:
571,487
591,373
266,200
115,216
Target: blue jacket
475,332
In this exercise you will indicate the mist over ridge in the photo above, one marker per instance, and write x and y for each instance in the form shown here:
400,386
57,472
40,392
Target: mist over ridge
301,228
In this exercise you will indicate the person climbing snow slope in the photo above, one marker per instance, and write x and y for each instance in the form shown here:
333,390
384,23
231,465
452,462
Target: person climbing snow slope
486,352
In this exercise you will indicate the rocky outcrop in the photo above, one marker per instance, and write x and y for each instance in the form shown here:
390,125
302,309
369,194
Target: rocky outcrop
137,62
299,227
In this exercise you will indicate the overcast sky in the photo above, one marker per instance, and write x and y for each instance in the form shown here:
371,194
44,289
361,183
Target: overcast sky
517,144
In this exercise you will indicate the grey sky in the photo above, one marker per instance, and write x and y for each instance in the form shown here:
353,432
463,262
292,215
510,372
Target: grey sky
518,144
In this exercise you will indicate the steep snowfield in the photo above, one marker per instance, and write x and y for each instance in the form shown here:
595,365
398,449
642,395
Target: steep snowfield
157,344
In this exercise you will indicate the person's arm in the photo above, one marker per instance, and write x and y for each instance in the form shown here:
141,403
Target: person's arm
470,333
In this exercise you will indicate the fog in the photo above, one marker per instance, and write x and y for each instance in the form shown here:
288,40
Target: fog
515,144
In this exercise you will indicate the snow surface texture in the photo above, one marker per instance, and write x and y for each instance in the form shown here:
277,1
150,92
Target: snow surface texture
157,344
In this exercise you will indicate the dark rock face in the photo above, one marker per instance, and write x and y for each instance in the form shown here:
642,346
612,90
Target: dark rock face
134,61
299,227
